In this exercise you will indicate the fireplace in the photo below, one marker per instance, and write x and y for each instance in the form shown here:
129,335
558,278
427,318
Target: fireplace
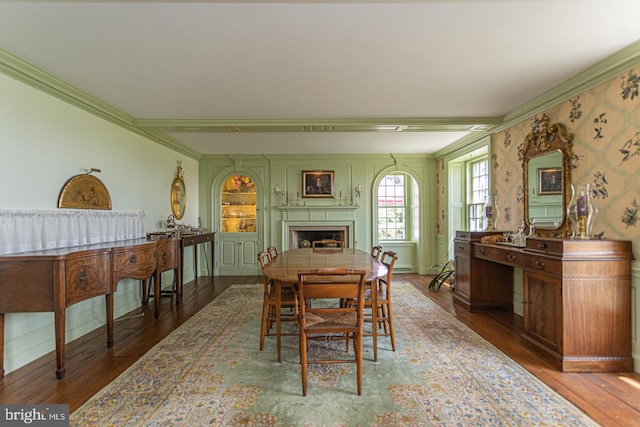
302,236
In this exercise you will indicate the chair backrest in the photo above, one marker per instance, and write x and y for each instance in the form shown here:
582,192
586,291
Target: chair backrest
333,283
328,243
376,251
263,259
389,259
273,252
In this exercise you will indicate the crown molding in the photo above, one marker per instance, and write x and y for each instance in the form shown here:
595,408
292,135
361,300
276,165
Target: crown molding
398,124
51,85
605,70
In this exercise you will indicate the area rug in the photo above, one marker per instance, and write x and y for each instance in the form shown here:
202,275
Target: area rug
210,372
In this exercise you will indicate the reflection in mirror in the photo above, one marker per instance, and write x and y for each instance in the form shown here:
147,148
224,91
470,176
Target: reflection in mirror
546,155
178,194
545,197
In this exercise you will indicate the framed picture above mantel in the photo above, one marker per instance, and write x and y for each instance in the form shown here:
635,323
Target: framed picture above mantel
317,184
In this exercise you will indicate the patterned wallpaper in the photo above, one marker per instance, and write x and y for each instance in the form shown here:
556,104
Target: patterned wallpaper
605,122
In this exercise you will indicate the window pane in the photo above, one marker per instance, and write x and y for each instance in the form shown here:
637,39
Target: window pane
477,193
392,208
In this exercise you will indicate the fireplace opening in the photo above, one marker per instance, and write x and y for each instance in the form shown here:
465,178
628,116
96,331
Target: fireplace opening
301,237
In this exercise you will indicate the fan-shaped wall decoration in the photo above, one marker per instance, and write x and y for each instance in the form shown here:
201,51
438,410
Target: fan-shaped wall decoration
84,192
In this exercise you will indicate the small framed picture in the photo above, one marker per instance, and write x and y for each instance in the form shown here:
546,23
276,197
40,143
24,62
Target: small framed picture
317,184
550,181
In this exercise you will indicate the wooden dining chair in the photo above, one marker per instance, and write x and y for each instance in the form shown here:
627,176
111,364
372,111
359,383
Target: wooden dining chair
378,301
378,294
327,244
376,251
325,319
275,297
273,252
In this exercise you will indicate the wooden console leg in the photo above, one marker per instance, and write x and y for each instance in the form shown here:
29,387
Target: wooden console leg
109,304
59,320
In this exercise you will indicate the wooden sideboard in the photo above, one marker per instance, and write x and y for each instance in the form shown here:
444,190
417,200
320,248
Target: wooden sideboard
577,296
52,280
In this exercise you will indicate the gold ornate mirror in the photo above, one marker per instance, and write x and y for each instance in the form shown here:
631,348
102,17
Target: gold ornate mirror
546,166
178,194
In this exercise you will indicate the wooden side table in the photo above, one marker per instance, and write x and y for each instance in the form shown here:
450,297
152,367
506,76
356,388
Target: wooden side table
194,240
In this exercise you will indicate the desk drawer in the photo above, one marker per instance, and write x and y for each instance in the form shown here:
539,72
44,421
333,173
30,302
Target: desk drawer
501,255
462,248
87,277
543,264
546,246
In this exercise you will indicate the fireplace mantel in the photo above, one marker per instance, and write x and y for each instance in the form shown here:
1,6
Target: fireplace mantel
316,208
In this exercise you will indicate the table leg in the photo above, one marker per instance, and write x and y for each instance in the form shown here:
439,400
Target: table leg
195,263
59,320
1,345
157,292
109,304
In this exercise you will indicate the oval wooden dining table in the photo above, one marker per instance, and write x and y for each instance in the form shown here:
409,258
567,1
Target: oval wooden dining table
286,265
284,269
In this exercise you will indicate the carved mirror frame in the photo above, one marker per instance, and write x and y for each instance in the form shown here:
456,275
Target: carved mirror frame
178,194
546,139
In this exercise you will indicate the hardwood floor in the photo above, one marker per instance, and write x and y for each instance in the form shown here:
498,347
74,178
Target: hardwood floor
611,399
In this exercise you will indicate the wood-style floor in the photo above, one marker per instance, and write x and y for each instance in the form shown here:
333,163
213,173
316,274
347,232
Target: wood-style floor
611,399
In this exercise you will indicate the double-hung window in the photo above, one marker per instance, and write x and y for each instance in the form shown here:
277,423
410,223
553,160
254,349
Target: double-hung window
477,192
392,207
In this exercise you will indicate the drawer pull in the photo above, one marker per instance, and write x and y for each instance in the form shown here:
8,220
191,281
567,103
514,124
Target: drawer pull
82,278
539,265
133,259
542,246
164,258
482,251
511,258
461,248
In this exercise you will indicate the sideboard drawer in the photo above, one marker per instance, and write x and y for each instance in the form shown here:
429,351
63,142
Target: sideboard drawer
87,277
135,263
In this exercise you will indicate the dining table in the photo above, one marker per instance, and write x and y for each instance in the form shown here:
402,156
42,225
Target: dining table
284,268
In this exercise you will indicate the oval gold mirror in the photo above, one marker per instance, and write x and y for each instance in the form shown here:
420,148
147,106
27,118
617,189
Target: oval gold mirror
546,156
178,194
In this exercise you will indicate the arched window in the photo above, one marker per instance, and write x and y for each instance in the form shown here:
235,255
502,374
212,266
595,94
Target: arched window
397,205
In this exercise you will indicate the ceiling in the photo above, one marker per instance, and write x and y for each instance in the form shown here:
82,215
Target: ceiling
300,77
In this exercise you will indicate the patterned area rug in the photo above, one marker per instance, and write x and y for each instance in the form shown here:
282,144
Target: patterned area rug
211,372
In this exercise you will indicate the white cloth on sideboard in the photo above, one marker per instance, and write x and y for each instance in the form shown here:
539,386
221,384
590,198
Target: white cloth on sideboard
32,230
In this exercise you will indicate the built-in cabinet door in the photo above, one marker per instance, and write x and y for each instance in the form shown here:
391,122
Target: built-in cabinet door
238,255
543,310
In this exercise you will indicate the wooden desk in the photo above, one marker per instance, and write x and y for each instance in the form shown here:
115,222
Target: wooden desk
194,240
52,280
577,296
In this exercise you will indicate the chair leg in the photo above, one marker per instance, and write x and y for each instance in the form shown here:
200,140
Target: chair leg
374,321
303,361
278,321
358,351
391,331
263,326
